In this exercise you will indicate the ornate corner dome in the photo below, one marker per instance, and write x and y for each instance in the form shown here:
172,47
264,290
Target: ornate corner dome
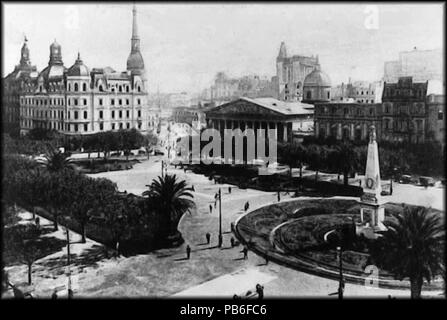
55,54
317,78
79,69
135,61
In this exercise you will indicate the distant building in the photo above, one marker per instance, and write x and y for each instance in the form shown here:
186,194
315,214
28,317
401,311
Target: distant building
358,91
290,74
79,100
422,65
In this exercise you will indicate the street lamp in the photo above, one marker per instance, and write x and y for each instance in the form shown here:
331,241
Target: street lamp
220,219
341,283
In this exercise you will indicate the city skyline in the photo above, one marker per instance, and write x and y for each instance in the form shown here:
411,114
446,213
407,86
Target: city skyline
183,56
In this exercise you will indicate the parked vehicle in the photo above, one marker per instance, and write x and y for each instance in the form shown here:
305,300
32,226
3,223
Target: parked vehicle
405,178
427,181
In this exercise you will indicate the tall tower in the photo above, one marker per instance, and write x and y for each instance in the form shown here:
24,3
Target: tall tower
280,70
135,62
55,54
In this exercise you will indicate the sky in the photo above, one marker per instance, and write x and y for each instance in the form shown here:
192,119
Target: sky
185,44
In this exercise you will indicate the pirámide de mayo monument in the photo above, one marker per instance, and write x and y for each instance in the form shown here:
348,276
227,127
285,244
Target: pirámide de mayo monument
372,212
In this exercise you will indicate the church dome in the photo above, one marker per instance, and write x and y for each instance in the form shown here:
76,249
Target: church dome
79,69
135,61
317,78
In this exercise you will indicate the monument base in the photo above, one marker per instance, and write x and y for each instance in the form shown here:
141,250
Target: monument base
371,217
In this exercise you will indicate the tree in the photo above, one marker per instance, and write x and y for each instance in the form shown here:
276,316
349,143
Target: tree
346,160
412,247
171,199
56,160
26,244
316,157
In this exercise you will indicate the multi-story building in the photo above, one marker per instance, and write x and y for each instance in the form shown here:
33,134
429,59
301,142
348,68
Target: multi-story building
358,91
422,65
410,111
77,100
290,74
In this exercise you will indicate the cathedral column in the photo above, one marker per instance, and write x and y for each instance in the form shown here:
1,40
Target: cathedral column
316,129
339,134
285,132
352,131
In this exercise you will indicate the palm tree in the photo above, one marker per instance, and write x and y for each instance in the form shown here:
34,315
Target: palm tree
170,198
56,160
412,247
346,160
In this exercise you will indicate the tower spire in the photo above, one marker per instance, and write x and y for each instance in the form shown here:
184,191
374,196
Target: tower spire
135,61
134,22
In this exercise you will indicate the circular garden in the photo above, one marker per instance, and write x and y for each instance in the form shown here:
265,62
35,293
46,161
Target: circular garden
304,234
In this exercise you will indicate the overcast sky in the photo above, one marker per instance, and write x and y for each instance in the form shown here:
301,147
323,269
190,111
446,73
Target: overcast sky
184,45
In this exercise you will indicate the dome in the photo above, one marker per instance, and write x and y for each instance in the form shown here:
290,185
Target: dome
52,71
135,61
79,69
317,78
55,45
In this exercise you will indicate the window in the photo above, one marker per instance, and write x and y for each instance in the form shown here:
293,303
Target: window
138,101
113,114
139,113
76,115
85,114
120,89
120,114
69,87
100,88
128,125
127,113
101,126
86,127
76,87
75,102
139,126
139,89
127,88
112,101
113,126
121,125
120,101
308,95
100,102
440,115
100,114
127,102
76,127
85,102
371,111
328,95
84,87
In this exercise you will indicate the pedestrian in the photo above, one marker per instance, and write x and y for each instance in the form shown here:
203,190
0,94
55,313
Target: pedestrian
188,251
208,237
260,291
211,208
215,204
192,188
279,196
117,248
229,190
245,251
54,295
232,242
360,183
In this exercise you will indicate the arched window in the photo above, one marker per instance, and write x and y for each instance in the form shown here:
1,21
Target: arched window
308,95
139,89
76,87
84,87
100,88
120,89
127,88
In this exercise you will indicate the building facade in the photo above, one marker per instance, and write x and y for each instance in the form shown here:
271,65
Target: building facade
410,111
358,91
290,74
77,100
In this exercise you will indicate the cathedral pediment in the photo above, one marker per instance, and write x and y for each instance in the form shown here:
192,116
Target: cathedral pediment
242,107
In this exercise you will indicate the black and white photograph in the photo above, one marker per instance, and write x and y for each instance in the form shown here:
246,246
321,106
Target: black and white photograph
223,150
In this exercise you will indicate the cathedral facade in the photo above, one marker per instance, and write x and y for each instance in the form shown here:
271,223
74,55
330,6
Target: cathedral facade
78,100
291,72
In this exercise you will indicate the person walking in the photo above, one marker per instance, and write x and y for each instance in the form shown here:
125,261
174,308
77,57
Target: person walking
245,251
192,188
260,291
211,208
232,242
54,295
229,190
188,252
208,238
